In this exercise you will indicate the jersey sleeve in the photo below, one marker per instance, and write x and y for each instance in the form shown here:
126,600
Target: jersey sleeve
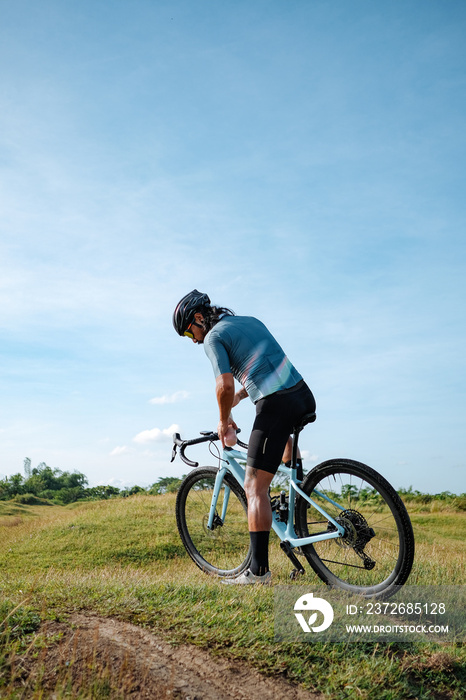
217,354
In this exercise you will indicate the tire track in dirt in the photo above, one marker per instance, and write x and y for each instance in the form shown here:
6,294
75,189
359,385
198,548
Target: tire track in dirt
144,666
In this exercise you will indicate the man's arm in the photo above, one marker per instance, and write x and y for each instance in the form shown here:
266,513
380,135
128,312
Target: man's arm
225,391
239,396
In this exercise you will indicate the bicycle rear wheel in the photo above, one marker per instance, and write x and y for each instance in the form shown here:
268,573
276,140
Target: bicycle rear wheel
225,549
376,552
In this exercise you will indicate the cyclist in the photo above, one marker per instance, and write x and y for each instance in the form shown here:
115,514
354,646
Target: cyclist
242,348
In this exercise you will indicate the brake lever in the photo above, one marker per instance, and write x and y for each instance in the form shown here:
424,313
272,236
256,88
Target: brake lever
176,441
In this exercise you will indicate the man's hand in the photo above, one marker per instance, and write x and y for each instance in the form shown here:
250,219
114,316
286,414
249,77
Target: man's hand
223,427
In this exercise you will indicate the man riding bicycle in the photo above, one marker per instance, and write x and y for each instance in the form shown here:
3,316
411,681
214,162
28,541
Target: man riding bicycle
242,348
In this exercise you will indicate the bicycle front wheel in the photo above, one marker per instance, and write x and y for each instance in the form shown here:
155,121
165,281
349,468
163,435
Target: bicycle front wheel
224,549
375,554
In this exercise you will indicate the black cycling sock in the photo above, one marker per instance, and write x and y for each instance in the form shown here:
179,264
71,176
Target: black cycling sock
260,553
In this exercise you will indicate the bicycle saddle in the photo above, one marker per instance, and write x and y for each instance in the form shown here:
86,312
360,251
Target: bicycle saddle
307,418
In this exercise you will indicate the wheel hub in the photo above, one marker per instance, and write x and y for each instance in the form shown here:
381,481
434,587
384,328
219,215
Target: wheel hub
217,522
357,531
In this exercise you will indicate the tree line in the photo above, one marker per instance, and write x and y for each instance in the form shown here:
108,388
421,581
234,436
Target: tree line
42,484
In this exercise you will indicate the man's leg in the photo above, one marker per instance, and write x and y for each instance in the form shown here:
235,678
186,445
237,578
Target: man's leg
256,487
287,454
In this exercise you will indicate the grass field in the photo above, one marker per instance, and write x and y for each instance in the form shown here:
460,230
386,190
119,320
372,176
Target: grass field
123,558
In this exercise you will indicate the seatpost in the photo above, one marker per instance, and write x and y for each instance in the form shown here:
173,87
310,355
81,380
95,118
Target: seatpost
294,455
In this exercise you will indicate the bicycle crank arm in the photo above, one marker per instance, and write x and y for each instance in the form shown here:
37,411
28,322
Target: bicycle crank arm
287,548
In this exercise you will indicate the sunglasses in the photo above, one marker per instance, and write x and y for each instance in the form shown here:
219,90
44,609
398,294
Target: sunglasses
188,333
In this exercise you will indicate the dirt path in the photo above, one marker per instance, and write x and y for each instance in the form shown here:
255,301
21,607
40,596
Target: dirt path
142,665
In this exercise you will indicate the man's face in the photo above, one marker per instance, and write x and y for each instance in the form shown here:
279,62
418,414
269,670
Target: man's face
197,329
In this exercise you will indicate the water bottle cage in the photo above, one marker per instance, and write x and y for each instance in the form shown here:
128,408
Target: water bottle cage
280,506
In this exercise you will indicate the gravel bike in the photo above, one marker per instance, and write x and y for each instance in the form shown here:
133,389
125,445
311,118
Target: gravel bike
343,517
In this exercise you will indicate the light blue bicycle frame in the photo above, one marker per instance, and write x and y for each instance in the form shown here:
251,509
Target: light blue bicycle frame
284,530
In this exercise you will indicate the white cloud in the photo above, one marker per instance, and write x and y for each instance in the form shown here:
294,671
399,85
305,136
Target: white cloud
173,398
119,450
119,483
308,457
156,434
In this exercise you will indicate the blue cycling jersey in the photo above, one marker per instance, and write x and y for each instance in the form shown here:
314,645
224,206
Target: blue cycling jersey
243,346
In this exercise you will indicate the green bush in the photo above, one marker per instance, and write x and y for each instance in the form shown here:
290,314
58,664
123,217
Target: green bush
460,502
29,499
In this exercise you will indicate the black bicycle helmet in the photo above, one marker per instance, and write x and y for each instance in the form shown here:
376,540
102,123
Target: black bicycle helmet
184,313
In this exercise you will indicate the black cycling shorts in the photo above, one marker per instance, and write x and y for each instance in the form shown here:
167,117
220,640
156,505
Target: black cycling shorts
276,417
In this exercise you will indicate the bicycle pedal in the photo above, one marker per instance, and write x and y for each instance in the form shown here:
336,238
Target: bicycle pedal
296,573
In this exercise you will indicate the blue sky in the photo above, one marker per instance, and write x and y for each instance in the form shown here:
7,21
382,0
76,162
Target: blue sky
300,161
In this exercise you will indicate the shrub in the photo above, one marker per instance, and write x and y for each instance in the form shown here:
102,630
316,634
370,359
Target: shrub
29,499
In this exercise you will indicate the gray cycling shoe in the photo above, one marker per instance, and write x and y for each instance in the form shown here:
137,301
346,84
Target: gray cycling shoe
247,578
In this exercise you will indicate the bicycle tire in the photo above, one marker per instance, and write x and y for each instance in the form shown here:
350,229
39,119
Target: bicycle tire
375,555
224,550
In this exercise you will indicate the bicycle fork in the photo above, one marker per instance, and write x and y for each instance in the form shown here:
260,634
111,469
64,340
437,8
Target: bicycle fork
212,520
238,473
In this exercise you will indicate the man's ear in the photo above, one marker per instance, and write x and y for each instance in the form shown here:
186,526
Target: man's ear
199,318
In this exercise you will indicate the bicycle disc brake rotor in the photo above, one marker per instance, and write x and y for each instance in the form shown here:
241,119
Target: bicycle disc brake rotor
217,523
